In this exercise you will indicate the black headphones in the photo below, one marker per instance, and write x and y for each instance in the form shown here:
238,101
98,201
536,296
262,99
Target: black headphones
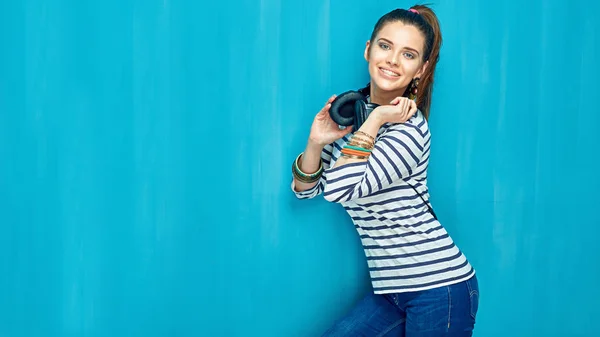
352,108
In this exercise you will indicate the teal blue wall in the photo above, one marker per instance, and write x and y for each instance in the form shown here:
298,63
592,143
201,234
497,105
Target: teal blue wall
145,152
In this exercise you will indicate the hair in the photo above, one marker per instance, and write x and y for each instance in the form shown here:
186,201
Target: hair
427,23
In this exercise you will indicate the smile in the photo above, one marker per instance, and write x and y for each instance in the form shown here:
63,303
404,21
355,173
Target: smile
389,72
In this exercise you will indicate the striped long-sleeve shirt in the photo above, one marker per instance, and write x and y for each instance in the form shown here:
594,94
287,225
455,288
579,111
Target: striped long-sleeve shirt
406,248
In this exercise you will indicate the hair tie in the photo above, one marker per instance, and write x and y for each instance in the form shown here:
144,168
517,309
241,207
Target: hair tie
414,11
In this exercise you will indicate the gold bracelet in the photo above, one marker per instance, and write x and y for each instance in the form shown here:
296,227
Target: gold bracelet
306,177
364,145
365,134
357,138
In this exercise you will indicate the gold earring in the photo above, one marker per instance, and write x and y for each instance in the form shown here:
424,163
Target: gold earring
413,89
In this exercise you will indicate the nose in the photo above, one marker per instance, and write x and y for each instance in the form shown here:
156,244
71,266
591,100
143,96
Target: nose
393,59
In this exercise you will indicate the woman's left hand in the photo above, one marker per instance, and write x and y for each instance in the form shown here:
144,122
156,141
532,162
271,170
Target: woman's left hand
399,110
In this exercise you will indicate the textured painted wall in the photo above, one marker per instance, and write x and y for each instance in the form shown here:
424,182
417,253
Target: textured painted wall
145,149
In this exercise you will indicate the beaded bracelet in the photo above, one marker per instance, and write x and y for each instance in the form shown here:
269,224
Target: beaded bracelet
306,177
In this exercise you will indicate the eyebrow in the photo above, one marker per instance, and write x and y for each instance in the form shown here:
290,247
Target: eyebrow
390,42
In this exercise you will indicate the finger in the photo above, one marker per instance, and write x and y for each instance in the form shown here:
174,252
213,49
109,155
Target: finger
345,131
329,102
404,111
325,109
395,101
328,115
403,105
413,107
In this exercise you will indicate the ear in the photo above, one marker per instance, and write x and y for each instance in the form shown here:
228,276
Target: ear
367,47
422,70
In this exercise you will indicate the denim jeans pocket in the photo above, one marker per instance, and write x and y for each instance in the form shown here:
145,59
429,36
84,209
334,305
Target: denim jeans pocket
473,287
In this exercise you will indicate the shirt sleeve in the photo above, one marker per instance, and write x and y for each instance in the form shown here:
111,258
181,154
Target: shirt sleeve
326,154
396,154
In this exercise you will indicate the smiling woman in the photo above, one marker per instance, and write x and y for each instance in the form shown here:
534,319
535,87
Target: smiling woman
407,42
423,285
395,65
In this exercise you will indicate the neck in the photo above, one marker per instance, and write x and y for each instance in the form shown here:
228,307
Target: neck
381,97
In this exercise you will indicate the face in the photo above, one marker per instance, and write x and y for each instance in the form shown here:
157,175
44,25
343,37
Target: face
395,57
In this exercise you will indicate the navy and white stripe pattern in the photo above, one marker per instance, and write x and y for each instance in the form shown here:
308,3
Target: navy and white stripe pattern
407,249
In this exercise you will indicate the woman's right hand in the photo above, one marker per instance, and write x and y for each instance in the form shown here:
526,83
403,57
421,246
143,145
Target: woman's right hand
324,130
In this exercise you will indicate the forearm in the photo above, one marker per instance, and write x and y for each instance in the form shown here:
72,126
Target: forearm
309,162
370,127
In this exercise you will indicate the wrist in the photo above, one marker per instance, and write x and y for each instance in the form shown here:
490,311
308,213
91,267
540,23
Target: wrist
376,117
310,159
314,145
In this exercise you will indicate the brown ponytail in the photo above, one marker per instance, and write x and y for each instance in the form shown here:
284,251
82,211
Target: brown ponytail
432,52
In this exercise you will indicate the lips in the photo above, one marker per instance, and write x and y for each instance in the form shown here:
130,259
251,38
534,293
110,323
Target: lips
389,72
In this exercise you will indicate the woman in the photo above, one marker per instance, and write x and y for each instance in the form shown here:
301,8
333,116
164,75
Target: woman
423,285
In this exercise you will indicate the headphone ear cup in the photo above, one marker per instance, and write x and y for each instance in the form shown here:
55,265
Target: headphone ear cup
342,109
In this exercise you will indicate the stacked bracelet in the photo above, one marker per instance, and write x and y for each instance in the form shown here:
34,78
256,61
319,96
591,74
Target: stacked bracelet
359,146
306,177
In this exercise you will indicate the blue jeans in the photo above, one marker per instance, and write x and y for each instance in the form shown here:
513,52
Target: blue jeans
443,311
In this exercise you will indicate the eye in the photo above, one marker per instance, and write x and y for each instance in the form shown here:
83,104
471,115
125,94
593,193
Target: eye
384,46
409,56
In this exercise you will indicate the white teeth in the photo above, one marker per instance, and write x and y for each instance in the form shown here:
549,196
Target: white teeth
391,73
